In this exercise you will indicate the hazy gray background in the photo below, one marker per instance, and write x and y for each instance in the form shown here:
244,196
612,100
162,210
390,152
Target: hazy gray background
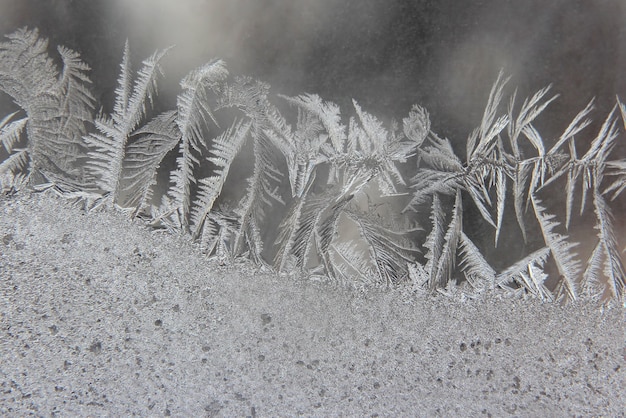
387,54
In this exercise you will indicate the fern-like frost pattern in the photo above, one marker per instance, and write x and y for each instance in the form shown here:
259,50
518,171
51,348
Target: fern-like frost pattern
348,209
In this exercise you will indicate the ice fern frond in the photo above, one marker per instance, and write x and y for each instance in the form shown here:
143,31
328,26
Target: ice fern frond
57,105
447,173
143,157
447,260
76,106
389,249
218,234
481,141
591,166
194,114
442,242
302,153
109,145
416,126
501,200
561,250
309,228
440,156
539,164
533,281
617,169
29,76
297,231
326,231
250,97
10,135
379,150
520,177
144,92
522,169
14,163
444,175
605,256
302,147
124,83
26,70
477,270
537,257
351,265
434,242
580,122
223,152
603,143
530,110
527,274
295,228
328,114
429,182
305,149
193,103
11,132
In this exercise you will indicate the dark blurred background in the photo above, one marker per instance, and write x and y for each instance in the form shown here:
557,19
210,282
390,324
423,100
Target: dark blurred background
386,54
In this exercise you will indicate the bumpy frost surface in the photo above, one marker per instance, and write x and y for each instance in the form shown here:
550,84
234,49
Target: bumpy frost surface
99,316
